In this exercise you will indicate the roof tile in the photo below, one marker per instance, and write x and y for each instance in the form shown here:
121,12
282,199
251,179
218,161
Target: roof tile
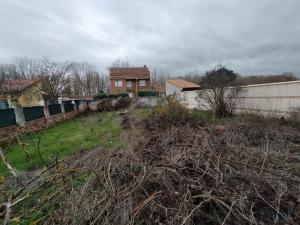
130,73
12,86
183,83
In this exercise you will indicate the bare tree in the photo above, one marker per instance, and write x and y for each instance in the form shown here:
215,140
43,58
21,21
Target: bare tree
86,79
55,77
9,72
28,68
221,91
120,63
160,76
193,76
262,79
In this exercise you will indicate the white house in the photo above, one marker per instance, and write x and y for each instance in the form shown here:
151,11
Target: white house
175,87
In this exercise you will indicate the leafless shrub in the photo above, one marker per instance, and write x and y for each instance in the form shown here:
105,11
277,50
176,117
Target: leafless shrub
122,103
221,91
168,112
105,105
294,117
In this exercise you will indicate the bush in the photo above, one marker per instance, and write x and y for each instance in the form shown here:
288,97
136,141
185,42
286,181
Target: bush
105,105
168,112
112,96
123,94
147,92
122,103
100,96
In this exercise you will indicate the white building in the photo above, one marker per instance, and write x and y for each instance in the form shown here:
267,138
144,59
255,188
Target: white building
175,87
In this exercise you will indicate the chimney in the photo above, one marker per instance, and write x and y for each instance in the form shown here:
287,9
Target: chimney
145,66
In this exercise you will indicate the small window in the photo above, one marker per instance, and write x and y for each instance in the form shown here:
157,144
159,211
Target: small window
142,83
129,84
118,83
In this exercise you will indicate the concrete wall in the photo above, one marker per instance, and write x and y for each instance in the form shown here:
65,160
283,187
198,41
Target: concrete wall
270,99
172,89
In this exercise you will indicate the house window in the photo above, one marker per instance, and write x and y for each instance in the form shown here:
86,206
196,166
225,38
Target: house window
142,83
129,84
118,83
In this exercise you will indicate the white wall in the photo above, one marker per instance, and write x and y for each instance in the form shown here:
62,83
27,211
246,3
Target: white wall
274,98
172,89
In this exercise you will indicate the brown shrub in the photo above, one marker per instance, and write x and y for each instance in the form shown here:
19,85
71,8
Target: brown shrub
122,103
105,105
188,175
168,112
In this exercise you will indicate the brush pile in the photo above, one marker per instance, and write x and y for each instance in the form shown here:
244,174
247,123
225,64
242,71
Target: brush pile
191,174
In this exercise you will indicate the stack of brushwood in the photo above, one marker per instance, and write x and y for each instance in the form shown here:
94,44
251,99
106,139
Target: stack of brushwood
111,105
192,174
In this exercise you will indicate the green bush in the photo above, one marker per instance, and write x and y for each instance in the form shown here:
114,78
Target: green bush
100,96
147,92
104,95
123,94
112,96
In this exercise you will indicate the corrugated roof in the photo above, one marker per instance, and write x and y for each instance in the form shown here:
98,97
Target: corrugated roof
183,83
129,73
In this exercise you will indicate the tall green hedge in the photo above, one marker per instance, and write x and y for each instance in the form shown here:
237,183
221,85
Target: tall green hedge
147,92
104,95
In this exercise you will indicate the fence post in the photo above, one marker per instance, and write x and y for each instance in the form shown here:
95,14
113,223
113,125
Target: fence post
19,114
74,105
46,110
62,107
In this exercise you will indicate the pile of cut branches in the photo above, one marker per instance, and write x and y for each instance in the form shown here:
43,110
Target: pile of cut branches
190,175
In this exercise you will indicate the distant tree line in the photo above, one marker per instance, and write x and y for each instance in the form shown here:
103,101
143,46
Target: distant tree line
58,78
243,80
83,78
161,76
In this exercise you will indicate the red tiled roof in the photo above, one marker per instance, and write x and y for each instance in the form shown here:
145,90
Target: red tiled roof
129,73
183,83
13,86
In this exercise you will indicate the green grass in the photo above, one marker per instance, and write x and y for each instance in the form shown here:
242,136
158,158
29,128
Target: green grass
88,132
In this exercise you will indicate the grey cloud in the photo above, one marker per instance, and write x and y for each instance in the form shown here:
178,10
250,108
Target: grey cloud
251,37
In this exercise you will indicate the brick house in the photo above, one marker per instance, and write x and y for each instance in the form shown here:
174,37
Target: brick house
129,80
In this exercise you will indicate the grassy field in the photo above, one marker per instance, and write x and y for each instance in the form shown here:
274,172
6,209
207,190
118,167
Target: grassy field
87,132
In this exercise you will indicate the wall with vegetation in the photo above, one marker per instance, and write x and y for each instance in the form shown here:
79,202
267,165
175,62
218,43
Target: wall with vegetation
270,99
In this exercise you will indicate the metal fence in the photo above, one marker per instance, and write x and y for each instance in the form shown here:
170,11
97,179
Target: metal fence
7,117
77,102
54,109
68,107
32,113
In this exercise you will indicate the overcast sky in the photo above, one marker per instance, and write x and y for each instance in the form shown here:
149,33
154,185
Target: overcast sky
251,37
